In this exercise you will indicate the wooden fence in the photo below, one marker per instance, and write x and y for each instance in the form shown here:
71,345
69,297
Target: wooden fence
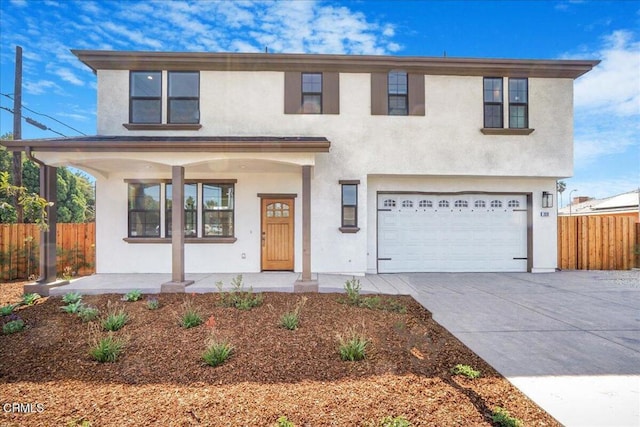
19,250
598,242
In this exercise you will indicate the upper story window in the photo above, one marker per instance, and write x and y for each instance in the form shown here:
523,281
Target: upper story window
518,104
493,102
184,97
312,93
145,100
398,93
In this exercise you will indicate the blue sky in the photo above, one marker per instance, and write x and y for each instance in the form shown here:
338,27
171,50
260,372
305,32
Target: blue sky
607,100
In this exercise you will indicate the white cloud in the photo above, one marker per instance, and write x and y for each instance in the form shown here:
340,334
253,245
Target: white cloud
19,3
39,87
134,36
613,87
68,76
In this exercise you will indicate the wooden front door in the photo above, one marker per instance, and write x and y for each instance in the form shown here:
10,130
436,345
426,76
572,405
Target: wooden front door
277,234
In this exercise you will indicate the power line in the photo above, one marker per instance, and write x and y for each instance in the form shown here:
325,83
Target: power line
34,122
47,116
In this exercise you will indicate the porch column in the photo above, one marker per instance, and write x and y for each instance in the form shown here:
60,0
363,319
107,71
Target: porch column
48,191
178,283
306,283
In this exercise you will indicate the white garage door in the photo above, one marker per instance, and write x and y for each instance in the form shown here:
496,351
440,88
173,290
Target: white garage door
452,232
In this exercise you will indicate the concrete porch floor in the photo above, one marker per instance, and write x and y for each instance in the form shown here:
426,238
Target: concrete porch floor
206,282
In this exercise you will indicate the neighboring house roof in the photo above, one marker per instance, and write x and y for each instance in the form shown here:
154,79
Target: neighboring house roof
136,60
621,203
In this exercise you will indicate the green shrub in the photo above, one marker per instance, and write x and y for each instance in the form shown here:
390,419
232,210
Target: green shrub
30,299
72,307
153,303
238,297
394,422
190,317
13,324
352,288
290,320
353,346
6,310
115,318
71,297
217,352
502,418
87,314
353,297
284,422
107,349
132,296
79,423
466,371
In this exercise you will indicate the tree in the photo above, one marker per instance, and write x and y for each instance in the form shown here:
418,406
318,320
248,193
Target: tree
75,194
561,186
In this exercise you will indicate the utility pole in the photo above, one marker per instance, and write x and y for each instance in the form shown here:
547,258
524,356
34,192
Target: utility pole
17,128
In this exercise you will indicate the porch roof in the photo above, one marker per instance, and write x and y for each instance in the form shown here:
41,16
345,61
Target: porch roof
168,144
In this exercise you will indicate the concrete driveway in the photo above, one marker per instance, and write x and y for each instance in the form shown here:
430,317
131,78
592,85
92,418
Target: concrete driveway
569,340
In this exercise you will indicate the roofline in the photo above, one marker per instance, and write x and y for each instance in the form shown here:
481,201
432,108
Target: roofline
208,61
173,144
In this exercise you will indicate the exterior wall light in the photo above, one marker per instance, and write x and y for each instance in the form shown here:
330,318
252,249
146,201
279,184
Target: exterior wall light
547,200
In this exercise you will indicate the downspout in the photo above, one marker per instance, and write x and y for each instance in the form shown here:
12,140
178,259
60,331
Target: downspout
27,151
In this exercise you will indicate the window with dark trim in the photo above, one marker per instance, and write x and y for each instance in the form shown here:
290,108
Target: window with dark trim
217,210
312,93
518,104
144,209
397,87
350,206
190,209
493,113
145,97
183,104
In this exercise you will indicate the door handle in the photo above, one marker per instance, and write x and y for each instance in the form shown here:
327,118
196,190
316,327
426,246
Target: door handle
264,238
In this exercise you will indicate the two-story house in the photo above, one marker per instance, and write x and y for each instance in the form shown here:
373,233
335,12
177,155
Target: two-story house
323,163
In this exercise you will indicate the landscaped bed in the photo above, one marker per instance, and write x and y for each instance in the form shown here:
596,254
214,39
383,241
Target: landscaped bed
160,377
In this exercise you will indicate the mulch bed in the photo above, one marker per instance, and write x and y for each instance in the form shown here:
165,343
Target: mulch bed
160,379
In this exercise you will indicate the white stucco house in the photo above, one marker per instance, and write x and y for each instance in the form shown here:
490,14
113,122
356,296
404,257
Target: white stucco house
323,163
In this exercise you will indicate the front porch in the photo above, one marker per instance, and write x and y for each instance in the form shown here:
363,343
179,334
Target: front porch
206,282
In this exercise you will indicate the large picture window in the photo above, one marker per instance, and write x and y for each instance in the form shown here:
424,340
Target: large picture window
493,102
190,209
518,104
217,210
145,89
184,97
144,210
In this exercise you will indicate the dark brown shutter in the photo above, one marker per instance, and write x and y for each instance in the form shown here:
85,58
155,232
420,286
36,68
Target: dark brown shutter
330,93
292,92
416,94
379,95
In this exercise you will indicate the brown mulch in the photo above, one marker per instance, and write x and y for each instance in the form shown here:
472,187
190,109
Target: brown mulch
160,379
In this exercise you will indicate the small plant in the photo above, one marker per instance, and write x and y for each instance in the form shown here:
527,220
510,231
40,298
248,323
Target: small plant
353,346
30,299
71,297
291,319
393,422
190,317
217,352
501,417
72,307
6,310
13,324
466,371
284,422
79,423
106,349
132,296
238,297
115,318
67,273
352,288
153,303
88,314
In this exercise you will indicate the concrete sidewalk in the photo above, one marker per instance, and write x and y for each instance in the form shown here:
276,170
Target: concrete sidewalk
569,340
